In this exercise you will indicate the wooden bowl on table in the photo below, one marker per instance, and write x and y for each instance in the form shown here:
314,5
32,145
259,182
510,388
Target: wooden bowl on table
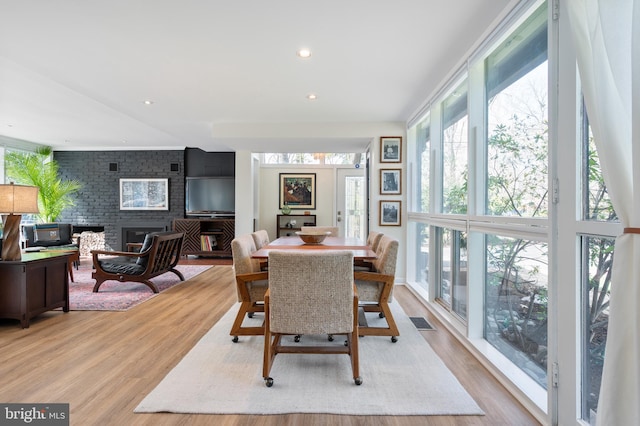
310,237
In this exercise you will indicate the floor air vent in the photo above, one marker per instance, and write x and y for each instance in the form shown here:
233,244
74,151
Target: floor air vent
421,323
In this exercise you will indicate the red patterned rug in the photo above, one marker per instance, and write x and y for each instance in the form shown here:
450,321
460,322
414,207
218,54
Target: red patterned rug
117,296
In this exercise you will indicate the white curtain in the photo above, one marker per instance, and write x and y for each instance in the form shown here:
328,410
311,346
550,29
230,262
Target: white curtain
607,38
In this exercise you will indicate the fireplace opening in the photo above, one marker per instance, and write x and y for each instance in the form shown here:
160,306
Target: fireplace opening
136,234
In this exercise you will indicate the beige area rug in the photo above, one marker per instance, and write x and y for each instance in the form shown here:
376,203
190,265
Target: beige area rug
221,377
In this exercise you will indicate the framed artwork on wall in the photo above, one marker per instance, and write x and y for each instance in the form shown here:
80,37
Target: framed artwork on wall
390,181
390,212
144,194
391,149
298,191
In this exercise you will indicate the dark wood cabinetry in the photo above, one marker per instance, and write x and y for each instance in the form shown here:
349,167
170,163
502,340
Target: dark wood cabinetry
288,224
199,163
36,284
206,237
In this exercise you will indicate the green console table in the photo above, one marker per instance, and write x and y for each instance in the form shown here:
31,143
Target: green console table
35,284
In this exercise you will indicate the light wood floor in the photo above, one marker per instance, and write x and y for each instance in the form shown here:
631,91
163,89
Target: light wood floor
104,363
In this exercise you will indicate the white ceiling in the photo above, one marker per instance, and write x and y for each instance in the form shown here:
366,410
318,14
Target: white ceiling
224,75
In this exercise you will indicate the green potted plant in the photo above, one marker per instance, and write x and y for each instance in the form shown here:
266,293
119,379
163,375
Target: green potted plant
41,170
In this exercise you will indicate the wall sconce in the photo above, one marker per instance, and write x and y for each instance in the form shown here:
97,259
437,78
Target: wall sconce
14,201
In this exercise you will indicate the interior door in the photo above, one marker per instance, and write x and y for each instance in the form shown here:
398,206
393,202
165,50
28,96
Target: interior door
351,202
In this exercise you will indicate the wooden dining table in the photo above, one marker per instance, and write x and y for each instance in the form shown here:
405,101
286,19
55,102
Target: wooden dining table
359,248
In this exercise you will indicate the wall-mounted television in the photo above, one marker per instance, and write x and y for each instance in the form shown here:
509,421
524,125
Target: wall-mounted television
209,196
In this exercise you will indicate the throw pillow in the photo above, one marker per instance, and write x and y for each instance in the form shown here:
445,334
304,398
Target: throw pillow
46,232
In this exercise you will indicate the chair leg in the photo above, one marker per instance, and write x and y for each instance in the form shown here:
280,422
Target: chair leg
352,341
238,330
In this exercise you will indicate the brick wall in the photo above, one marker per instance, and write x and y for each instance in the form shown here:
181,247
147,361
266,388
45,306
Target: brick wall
98,202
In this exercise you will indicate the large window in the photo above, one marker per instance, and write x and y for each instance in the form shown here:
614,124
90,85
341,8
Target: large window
597,253
312,158
481,200
421,253
528,274
453,270
516,302
455,134
516,92
423,163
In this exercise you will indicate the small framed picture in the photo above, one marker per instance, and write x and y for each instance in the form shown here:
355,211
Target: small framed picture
390,212
391,149
390,181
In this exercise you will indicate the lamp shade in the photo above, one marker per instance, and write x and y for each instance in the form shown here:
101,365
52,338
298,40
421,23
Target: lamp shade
18,199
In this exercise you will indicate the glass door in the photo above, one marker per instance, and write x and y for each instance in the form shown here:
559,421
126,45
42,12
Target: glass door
351,203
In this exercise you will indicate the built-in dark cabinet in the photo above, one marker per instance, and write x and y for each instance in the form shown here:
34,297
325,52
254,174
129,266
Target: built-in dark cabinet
199,163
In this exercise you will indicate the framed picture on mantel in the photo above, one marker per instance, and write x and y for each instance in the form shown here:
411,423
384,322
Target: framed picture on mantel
144,194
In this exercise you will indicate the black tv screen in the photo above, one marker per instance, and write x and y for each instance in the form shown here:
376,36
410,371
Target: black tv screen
210,195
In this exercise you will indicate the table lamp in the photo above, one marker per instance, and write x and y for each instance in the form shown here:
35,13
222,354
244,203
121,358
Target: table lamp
15,200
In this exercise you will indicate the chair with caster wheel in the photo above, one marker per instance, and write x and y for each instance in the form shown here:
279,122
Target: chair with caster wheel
251,284
375,288
311,294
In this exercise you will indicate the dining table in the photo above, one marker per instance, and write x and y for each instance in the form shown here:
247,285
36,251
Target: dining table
359,248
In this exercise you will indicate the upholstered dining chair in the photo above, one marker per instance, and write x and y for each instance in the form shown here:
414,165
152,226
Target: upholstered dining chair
310,293
333,229
373,241
251,284
260,238
375,288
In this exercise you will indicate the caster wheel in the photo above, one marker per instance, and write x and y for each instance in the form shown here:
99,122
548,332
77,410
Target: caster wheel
330,337
394,339
296,339
381,315
358,380
268,381
250,314
235,339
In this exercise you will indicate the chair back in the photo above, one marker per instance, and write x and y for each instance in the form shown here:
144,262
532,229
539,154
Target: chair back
311,292
387,256
333,229
373,240
260,238
241,249
166,248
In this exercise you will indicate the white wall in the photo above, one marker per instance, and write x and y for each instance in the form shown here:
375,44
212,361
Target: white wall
270,203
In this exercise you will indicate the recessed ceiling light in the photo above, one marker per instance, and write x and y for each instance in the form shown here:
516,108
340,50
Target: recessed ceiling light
304,53
312,96
148,102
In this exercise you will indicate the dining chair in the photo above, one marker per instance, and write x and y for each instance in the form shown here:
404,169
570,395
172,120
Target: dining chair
310,293
373,241
251,285
260,238
333,229
375,288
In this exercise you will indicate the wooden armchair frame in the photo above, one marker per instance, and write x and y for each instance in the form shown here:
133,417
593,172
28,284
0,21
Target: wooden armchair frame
161,257
247,307
382,306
